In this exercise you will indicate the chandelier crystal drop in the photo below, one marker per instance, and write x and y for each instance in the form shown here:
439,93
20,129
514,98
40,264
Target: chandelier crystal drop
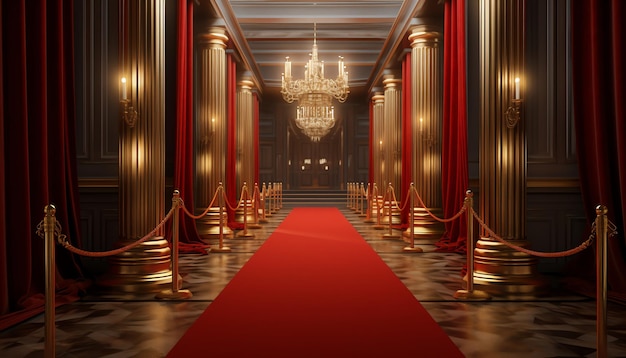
315,114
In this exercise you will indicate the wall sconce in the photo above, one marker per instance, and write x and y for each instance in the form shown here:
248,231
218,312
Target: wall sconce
512,113
129,114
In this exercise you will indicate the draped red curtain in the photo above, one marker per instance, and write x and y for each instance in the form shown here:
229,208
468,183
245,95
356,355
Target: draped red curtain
38,130
232,191
454,171
598,74
407,137
184,151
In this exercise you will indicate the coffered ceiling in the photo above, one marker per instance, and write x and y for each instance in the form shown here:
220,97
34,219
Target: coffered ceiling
369,34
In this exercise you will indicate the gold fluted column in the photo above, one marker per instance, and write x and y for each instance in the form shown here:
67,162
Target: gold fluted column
500,270
378,112
392,134
245,150
427,119
378,164
211,126
392,149
245,135
146,267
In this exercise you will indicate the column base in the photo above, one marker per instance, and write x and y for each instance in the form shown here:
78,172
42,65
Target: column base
209,226
424,226
507,273
143,269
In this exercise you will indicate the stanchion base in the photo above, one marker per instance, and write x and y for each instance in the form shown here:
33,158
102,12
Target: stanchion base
413,249
248,234
474,295
221,249
171,295
391,236
379,227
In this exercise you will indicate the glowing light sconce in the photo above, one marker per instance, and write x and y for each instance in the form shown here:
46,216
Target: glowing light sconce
512,113
129,114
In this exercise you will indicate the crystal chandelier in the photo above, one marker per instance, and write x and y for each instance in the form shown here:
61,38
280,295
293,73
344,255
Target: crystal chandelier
315,114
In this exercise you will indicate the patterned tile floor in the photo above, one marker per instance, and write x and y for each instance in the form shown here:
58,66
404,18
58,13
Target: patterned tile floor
112,325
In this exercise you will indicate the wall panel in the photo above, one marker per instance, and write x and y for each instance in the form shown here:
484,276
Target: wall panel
97,87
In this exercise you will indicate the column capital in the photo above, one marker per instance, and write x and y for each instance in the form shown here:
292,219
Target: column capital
214,37
391,82
425,36
246,85
378,98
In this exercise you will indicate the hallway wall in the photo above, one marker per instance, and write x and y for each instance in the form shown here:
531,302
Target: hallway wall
555,217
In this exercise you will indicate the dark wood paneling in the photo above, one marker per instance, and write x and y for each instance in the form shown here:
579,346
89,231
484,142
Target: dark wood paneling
97,87
266,162
362,163
547,99
555,222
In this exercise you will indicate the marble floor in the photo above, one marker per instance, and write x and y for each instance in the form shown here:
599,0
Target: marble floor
121,325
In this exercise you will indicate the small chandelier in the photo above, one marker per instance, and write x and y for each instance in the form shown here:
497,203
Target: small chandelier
315,114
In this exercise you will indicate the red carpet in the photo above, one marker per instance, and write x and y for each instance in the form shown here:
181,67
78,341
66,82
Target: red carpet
315,288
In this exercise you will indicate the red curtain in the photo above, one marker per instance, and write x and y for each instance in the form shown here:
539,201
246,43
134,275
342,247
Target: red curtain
407,138
598,47
37,153
454,171
189,238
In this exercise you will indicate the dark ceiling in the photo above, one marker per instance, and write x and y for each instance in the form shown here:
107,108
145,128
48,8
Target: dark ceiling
369,34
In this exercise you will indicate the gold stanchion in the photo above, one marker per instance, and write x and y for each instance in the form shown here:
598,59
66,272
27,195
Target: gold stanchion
379,212
260,209
270,199
274,197
245,232
49,223
175,292
601,280
352,197
470,293
370,191
411,247
263,200
220,197
348,195
362,195
255,206
267,196
390,234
